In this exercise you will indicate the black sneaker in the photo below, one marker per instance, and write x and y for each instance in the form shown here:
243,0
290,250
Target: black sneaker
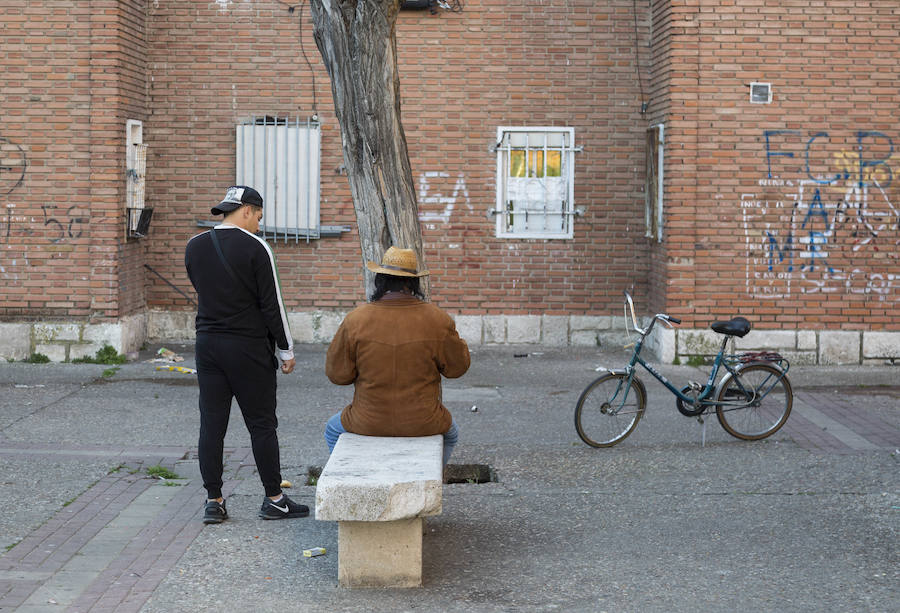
282,509
214,512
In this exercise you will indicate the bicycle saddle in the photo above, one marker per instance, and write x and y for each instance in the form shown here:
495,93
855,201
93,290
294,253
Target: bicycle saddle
735,327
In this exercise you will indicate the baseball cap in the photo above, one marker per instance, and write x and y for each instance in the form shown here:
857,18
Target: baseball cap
236,197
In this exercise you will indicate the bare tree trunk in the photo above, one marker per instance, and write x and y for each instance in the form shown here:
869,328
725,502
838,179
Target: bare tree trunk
358,43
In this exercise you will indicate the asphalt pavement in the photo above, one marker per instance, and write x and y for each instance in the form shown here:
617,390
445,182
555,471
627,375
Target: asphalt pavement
678,517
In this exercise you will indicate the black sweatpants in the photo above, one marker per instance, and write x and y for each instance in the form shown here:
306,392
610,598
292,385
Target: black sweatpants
244,368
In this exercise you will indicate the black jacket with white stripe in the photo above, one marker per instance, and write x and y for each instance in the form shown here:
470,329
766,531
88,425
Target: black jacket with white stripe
251,307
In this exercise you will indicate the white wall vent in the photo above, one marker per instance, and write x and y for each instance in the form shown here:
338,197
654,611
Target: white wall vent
760,93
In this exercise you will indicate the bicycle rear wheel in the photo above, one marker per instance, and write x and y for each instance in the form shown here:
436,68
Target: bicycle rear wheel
601,418
755,402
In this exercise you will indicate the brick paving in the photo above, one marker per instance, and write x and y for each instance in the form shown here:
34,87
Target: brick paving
134,572
845,410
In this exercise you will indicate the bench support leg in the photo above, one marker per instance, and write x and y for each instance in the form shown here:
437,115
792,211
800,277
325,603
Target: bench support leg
380,553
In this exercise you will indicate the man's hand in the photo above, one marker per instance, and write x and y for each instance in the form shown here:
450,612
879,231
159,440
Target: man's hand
287,367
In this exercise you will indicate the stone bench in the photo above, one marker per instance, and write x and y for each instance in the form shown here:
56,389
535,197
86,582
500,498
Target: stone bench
378,489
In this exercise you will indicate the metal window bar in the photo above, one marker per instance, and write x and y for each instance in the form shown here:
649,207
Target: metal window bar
137,172
279,157
509,211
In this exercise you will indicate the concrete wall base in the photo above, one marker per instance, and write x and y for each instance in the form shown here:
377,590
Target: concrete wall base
380,553
65,341
62,341
545,330
826,347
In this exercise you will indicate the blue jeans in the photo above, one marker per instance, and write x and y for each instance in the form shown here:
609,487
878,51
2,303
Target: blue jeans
334,428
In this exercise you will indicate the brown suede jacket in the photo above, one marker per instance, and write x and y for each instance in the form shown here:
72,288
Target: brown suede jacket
394,351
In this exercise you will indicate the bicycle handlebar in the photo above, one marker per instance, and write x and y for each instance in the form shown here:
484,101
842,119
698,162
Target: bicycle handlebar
629,307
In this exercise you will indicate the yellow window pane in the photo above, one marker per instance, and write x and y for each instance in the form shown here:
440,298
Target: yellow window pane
554,164
517,164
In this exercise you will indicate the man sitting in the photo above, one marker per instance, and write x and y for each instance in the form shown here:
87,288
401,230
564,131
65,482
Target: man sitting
394,350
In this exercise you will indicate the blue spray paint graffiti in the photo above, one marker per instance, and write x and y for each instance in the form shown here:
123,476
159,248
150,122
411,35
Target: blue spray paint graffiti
864,142
825,220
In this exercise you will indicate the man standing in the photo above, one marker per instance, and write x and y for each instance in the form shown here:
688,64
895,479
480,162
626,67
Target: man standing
241,326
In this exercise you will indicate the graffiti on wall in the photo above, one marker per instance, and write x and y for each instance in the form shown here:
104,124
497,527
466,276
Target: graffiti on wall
432,191
56,223
13,164
825,219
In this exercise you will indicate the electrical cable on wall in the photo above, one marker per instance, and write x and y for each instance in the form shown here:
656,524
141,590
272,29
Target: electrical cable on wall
312,74
637,59
172,285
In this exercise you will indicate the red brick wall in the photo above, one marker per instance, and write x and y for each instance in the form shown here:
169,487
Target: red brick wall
72,72
133,85
45,122
745,228
659,109
802,232
562,63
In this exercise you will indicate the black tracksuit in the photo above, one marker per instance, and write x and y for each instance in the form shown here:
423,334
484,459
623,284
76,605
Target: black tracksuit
239,325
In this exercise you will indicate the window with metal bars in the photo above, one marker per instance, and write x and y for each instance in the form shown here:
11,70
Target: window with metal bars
280,157
535,182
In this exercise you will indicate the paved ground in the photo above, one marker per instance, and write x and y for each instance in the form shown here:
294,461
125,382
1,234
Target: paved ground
804,521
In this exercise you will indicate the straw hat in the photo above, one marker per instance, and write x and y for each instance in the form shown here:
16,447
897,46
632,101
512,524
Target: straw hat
397,262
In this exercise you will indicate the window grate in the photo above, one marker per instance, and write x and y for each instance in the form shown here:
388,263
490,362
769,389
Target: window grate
535,182
279,157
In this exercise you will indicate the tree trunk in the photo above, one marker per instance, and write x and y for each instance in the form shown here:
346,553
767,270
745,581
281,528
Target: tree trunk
358,43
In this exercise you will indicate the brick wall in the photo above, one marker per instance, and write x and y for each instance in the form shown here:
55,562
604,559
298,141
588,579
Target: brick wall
72,72
560,63
786,211
45,126
134,78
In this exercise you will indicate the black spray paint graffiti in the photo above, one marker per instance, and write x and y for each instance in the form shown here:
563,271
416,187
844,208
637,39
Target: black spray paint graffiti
62,231
13,164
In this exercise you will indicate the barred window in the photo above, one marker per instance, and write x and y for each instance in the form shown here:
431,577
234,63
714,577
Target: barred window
535,182
279,158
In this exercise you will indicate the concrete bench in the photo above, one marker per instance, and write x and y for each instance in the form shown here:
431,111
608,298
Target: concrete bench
378,489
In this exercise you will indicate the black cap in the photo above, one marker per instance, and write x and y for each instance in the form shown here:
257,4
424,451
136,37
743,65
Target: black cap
236,197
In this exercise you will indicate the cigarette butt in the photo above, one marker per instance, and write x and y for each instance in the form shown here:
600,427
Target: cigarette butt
286,483
315,551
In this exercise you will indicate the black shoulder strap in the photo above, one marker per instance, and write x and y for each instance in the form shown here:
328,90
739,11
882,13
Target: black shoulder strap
225,264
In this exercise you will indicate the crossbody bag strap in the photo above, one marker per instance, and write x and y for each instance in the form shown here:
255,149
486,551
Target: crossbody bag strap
225,264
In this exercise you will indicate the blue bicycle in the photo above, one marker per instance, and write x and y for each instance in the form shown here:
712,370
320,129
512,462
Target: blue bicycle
752,400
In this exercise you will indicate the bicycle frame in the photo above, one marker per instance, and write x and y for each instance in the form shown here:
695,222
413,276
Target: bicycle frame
706,394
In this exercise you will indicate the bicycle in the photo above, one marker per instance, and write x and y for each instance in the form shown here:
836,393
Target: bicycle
752,400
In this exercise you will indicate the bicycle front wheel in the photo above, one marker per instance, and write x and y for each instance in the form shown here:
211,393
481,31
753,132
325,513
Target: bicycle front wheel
755,402
609,410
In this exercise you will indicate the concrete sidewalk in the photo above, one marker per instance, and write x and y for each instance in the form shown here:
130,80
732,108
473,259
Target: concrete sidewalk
804,521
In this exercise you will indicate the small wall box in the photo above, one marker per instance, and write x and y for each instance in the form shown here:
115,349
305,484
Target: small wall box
760,93
139,222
